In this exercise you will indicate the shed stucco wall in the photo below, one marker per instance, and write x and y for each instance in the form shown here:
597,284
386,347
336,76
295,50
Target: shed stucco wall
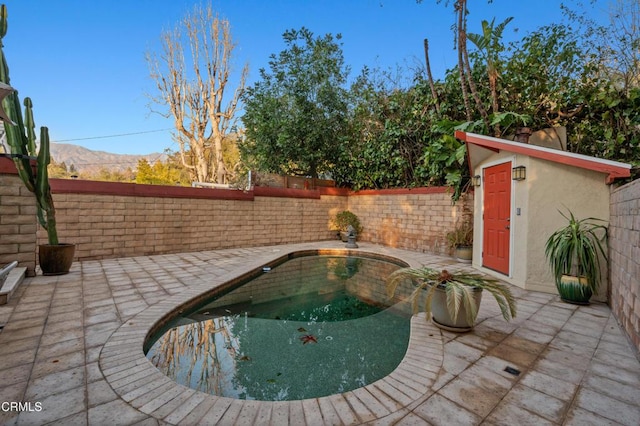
549,187
519,230
555,188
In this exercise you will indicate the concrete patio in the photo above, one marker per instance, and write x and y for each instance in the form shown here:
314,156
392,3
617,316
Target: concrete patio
72,347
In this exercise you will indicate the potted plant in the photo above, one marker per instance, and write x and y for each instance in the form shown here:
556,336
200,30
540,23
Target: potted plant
573,252
55,257
460,240
341,223
451,299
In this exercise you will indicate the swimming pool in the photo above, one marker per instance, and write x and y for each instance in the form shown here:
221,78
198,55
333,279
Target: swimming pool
309,327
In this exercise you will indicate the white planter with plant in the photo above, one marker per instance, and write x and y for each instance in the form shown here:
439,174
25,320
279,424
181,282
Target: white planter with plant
573,252
452,300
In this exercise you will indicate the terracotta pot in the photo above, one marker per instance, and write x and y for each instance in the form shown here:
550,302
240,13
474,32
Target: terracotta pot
574,289
441,317
56,259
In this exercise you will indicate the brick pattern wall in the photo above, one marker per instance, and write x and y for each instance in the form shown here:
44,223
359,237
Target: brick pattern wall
624,258
416,219
103,223
107,226
108,220
17,219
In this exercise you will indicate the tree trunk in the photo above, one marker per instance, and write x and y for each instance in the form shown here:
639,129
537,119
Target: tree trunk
460,7
493,85
430,76
463,60
472,85
220,168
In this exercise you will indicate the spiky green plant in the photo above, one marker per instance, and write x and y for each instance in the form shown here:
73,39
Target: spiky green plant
575,249
459,288
22,143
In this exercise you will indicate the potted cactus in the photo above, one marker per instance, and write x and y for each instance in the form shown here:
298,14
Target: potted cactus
55,257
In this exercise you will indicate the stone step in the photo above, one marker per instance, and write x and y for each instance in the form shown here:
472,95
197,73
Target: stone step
15,277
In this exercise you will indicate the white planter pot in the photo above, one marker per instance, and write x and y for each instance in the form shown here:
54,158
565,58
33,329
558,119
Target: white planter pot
441,317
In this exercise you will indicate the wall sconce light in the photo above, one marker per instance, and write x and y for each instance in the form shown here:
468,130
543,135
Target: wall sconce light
475,180
519,173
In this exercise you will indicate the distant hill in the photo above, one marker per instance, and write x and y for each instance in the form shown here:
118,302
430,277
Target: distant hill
86,160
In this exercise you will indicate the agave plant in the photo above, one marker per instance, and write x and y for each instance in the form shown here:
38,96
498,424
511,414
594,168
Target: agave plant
575,249
460,291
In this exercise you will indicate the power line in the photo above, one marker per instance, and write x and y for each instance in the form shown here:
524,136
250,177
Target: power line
113,136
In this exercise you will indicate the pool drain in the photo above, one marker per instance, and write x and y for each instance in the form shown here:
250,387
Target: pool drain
512,370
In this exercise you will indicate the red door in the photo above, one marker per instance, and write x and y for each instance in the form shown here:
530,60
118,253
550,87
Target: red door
496,217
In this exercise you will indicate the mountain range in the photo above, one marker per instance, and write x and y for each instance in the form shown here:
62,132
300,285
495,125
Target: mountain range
89,161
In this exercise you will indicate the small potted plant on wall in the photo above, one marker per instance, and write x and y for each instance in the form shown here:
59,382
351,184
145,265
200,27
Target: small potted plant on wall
573,252
341,223
452,300
460,240
55,258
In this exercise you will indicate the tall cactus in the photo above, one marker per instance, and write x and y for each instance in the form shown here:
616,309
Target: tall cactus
21,139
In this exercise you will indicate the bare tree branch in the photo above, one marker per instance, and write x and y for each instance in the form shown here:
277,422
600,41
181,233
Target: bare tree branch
194,91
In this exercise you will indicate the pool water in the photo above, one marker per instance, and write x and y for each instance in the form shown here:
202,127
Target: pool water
310,327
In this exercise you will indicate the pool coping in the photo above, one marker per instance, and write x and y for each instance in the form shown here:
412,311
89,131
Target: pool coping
134,378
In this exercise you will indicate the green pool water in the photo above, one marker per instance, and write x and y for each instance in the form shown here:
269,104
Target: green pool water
310,327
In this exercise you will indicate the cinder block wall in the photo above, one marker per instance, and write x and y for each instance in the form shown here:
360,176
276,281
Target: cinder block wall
107,220
624,258
151,220
414,219
17,219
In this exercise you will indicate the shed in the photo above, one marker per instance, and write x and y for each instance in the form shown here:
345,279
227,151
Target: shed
520,190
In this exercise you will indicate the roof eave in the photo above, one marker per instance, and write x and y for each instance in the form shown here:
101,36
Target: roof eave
612,169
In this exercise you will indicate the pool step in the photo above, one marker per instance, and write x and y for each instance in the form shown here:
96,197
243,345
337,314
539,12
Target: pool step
15,277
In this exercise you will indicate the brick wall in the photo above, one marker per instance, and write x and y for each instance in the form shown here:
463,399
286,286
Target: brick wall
109,220
624,258
415,219
17,219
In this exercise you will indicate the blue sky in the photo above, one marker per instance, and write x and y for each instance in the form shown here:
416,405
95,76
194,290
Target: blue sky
83,61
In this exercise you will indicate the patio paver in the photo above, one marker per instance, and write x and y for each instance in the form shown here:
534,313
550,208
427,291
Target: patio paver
73,344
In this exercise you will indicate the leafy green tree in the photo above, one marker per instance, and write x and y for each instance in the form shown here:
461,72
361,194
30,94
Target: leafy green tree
296,115
560,77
